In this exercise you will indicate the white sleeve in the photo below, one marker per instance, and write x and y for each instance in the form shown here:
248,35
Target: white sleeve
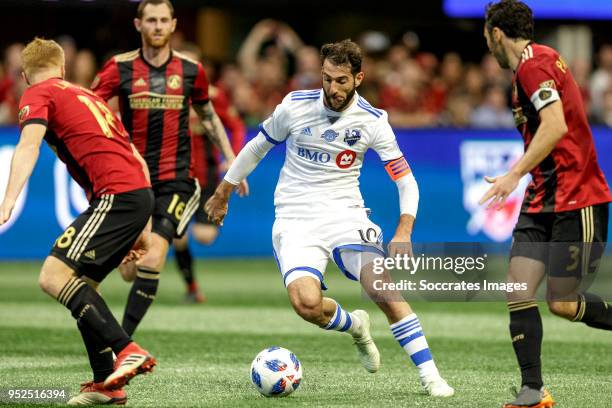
384,141
408,194
276,128
248,158
385,144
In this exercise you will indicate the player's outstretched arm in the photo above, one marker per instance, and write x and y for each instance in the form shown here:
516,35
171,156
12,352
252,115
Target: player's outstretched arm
408,190
552,129
22,164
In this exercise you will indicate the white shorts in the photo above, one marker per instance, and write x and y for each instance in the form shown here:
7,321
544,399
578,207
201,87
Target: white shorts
303,246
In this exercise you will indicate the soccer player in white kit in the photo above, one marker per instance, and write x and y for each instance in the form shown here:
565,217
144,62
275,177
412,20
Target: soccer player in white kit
320,214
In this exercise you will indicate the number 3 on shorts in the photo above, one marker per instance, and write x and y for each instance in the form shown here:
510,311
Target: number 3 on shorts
65,240
176,207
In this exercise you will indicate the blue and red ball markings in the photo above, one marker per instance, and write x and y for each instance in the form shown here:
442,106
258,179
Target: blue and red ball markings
256,377
279,387
296,362
275,365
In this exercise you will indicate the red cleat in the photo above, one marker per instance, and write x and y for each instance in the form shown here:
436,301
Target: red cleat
531,398
194,295
131,361
95,394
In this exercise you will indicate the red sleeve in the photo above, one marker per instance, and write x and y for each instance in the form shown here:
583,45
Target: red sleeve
106,83
199,94
230,118
541,79
35,106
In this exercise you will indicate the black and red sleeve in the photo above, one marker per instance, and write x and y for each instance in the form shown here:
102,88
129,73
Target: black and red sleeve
541,80
35,106
199,93
106,83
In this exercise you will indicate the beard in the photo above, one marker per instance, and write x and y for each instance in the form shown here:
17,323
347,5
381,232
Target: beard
154,42
501,57
330,100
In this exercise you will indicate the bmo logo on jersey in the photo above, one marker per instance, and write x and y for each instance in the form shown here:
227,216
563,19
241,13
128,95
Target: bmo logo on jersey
313,155
345,159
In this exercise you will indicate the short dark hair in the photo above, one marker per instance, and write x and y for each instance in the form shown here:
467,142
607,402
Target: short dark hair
513,17
345,52
145,3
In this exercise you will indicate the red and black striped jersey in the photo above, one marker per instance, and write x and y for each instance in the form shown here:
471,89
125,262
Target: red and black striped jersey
569,178
154,103
86,135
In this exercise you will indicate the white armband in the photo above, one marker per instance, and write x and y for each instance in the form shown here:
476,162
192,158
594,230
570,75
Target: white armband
408,194
248,158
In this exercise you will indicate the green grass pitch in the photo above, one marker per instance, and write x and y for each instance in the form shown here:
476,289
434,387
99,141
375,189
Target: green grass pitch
204,351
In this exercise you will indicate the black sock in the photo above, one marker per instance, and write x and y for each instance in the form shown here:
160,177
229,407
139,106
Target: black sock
141,296
90,310
100,356
526,334
594,312
184,261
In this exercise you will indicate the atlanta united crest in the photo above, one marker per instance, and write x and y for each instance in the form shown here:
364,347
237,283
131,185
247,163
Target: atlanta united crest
174,81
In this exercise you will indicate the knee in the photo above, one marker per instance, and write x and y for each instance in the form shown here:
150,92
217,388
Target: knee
50,281
562,309
180,244
205,235
128,271
45,281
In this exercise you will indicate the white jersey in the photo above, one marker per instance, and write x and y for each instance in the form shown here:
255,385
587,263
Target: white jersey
325,151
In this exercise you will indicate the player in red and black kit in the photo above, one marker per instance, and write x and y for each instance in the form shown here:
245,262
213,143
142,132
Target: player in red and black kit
83,132
562,228
156,87
207,168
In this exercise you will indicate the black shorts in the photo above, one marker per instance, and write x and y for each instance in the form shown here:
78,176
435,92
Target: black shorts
200,215
175,203
570,243
98,239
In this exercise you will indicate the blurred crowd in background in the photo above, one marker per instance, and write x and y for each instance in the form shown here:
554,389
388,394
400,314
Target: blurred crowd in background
418,88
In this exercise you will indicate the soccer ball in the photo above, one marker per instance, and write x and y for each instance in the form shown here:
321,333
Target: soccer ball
276,372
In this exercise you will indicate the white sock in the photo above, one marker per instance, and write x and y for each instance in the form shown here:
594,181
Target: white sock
409,334
343,321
